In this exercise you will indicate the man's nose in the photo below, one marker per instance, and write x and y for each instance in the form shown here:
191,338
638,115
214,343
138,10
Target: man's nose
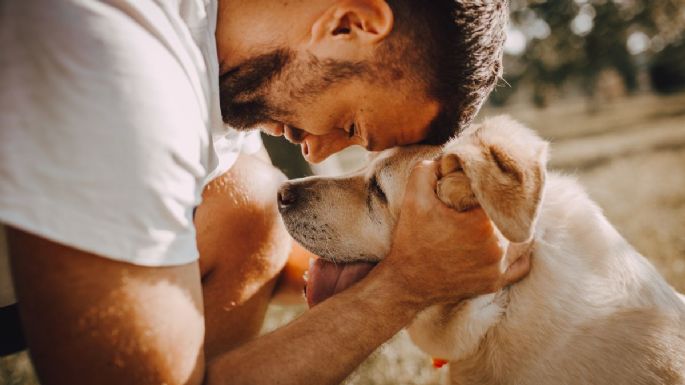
294,135
287,196
273,128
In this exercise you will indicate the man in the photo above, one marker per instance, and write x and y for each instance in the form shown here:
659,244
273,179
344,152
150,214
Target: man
111,125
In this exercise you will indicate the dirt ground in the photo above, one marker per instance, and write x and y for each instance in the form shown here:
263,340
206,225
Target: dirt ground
629,155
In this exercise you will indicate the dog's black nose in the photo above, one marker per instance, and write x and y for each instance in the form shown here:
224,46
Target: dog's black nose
287,196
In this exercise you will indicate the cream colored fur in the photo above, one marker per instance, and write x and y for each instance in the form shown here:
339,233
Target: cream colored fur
591,311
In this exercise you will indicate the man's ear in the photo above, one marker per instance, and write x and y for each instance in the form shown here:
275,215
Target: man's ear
505,165
350,25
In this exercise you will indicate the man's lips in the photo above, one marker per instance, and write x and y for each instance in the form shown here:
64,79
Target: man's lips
328,278
305,148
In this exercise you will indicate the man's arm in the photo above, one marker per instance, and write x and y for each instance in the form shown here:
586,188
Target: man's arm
91,320
326,343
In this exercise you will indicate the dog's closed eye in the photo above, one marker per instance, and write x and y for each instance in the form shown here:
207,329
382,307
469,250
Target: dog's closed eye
375,188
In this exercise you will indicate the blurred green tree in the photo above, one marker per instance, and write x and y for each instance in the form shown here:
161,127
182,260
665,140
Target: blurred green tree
552,43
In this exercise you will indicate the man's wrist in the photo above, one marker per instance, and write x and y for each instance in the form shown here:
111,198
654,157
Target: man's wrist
397,287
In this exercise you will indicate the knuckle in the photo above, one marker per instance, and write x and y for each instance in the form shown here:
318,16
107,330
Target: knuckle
421,167
449,163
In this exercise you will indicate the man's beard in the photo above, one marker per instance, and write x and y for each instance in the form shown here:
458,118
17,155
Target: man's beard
242,90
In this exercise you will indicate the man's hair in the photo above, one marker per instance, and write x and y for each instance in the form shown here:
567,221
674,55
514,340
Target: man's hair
453,48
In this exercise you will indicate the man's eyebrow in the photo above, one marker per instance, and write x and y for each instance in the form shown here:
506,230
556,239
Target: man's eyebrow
254,73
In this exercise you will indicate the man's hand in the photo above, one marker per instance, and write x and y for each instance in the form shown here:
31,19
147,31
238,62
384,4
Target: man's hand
442,255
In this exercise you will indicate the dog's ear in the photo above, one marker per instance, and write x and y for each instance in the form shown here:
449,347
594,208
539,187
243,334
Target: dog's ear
371,155
504,166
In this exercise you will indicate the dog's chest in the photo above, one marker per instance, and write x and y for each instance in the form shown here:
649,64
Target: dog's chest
454,331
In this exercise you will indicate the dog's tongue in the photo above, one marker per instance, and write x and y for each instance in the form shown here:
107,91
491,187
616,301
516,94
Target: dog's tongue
328,278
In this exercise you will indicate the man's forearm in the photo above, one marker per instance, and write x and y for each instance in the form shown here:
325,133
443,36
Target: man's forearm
325,344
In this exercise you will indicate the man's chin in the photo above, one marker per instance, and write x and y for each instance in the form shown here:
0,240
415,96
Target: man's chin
327,278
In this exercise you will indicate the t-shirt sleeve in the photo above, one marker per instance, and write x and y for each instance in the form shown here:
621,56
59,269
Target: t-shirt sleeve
103,142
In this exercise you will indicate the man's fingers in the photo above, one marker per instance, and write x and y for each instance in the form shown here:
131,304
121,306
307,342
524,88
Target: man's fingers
422,183
421,191
424,176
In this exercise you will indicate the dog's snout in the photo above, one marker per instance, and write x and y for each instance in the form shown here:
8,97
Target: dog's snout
287,196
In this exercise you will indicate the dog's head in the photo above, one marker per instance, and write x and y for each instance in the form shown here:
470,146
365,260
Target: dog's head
351,217
499,165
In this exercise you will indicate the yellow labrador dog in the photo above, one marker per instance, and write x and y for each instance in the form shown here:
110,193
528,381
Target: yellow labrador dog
592,310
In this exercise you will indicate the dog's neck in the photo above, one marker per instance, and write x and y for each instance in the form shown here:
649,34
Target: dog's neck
453,331
516,251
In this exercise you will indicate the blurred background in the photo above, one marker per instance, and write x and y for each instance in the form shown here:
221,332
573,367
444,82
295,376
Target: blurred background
604,81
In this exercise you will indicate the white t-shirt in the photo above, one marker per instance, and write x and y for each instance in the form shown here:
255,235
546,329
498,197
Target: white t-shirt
110,123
